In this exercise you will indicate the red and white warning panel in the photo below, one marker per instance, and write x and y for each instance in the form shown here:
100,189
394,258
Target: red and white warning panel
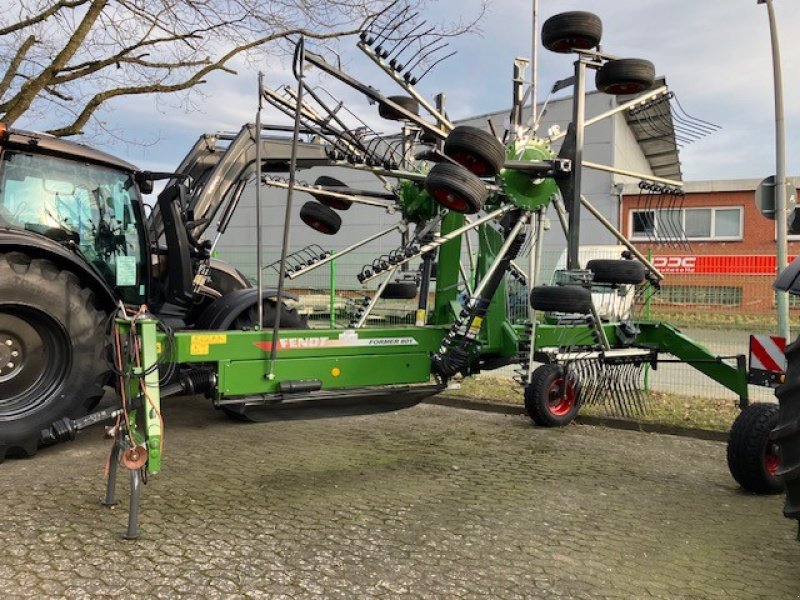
767,359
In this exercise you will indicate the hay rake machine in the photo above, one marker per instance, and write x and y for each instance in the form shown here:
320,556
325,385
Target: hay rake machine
443,182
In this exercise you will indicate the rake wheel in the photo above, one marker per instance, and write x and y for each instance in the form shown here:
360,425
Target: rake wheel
550,401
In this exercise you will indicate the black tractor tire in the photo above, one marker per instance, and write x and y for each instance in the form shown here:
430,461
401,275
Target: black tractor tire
54,337
477,150
616,271
455,188
549,401
625,76
320,218
575,30
336,203
753,457
400,290
561,298
407,102
787,433
290,319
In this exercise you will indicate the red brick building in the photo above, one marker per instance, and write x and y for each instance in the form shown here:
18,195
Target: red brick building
716,250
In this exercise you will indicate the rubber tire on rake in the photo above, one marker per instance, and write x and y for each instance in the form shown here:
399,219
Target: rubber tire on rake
455,188
320,218
561,298
59,336
752,456
616,271
575,30
389,113
337,203
476,149
544,402
399,290
625,76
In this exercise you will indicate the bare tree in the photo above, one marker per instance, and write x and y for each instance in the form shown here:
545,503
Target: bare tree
68,58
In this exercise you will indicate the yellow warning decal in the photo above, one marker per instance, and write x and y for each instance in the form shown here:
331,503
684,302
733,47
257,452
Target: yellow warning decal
158,348
476,324
200,343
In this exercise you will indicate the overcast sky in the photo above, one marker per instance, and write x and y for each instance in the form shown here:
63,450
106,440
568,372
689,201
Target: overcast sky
715,55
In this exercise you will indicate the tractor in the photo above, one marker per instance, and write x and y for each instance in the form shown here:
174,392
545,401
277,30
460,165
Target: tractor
75,243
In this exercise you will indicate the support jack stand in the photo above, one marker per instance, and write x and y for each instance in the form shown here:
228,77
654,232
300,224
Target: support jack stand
130,457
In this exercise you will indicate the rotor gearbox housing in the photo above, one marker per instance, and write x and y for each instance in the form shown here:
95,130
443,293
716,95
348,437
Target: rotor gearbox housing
523,190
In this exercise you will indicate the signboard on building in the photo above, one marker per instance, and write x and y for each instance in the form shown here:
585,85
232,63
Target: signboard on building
702,264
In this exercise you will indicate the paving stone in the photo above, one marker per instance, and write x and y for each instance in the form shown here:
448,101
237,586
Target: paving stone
429,502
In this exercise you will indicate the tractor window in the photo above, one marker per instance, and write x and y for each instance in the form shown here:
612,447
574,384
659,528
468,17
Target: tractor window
85,206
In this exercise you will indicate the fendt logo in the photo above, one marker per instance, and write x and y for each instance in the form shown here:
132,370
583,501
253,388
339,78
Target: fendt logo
675,264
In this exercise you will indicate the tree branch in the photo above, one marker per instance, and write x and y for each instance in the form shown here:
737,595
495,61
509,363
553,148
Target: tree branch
13,66
76,127
46,14
22,101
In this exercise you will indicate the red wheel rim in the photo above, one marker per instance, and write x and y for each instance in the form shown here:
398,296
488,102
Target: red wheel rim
321,227
772,458
577,42
625,88
474,164
450,200
561,404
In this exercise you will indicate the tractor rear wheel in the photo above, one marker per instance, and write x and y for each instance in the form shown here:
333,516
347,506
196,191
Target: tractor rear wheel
52,339
753,458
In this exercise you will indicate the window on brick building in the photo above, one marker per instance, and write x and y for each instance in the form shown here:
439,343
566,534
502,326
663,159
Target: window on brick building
709,223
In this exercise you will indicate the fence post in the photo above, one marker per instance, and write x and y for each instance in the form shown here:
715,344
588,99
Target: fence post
647,315
332,307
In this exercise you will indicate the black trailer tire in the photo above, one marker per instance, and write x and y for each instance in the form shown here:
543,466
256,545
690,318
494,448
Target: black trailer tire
561,298
53,337
625,76
406,102
455,188
320,218
400,290
752,457
336,203
575,30
616,271
477,150
549,401
787,433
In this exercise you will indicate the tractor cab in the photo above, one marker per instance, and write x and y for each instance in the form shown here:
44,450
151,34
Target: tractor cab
84,200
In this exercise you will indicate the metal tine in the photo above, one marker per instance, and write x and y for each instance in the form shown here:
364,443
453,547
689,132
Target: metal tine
709,124
364,34
395,63
332,115
415,80
392,23
321,130
663,108
660,125
380,50
423,55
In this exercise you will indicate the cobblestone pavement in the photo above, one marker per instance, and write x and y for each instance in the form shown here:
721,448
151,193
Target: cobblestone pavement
429,502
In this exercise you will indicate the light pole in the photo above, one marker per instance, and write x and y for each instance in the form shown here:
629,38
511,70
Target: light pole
781,298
